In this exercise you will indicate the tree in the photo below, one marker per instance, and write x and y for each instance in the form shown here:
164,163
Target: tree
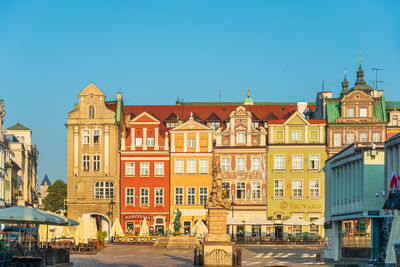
56,194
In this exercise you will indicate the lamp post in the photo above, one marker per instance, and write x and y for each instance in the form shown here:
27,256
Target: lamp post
232,204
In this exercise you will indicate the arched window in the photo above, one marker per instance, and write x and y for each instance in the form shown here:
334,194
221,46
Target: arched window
104,190
91,112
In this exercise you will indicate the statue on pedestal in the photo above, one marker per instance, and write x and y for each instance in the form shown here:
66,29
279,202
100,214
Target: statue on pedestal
218,193
177,221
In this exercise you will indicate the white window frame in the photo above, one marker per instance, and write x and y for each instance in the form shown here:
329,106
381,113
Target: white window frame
256,191
229,188
143,196
138,141
226,164
143,169
191,142
179,168
96,132
128,196
130,168
159,198
182,194
254,166
363,112
337,139
150,141
244,190
313,188
159,169
105,189
350,113
349,139
191,193
96,163
237,164
296,188
317,158
86,137
203,196
277,163
376,140
279,187
240,138
191,169
296,135
203,166
91,111
86,162
296,162
363,137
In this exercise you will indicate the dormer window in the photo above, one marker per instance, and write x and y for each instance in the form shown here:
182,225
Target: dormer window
350,113
215,125
91,112
171,124
255,124
395,120
240,138
363,113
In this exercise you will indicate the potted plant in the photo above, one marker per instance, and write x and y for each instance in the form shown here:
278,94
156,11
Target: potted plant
101,236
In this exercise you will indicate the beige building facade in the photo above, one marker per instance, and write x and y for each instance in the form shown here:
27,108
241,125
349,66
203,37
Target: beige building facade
93,158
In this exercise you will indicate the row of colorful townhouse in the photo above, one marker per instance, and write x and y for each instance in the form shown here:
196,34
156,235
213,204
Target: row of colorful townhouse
136,162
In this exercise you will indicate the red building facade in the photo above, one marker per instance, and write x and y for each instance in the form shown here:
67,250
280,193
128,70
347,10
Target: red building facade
144,174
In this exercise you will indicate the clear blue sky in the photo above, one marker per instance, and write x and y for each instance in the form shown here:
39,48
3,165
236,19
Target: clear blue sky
281,50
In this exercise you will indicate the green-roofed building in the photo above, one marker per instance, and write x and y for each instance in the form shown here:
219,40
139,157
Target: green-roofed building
358,115
18,126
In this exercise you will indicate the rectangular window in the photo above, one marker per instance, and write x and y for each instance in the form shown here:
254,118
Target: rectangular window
337,139
214,125
314,162
350,113
226,164
96,136
130,227
129,196
395,120
150,142
86,137
255,190
255,164
240,190
179,195
314,229
297,162
144,169
279,188
159,168
139,142
240,163
159,196
314,188
86,163
376,137
191,143
203,195
191,195
363,137
296,135
96,163
363,112
349,138
240,138
279,162
191,166
179,166
297,230
144,196
227,185
203,166
130,169
297,188
104,190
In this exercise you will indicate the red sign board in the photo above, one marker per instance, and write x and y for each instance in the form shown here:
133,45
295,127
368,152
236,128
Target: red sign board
137,217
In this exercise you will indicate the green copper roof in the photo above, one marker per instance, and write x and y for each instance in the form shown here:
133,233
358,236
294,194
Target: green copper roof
380,109
18,126
118,115
248,99
393,104
332,110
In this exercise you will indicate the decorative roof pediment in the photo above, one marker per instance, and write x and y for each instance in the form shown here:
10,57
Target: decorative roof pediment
144,117
195,117
296,119
91,89
191,124
357,95
240,111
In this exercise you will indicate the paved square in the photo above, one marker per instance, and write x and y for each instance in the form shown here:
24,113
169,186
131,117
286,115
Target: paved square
141,255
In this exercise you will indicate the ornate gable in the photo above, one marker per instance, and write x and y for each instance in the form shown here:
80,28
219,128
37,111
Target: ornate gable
296,119
144,117
191,124
91,89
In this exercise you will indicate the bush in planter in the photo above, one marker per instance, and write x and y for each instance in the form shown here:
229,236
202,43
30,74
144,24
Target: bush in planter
101,236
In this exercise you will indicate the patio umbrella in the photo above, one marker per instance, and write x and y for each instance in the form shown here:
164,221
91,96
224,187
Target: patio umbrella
93,229
144,228
116,229
233,221
199,229
394,237
21,214
318,222
259,221
295,221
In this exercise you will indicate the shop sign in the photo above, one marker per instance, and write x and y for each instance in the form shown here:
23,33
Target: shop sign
137,217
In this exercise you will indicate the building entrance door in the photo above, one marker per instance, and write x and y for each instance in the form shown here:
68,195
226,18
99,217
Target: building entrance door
279,232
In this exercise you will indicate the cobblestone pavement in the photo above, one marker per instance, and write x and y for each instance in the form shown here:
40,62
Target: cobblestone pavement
141,255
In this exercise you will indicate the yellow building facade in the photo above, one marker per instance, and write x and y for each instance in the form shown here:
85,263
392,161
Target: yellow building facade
296,185
191,171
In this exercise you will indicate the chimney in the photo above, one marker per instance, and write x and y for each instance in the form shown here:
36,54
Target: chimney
301,107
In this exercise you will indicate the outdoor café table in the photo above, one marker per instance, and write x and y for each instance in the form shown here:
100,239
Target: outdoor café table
28,259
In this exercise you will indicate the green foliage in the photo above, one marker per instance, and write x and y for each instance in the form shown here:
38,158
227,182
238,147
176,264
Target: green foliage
56,193
101,235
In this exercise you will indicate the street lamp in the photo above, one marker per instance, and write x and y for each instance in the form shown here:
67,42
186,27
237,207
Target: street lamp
232,204
110,212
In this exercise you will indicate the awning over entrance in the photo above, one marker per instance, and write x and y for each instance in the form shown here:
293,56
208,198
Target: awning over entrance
295,221
393,201
233,221
319,221
259,221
